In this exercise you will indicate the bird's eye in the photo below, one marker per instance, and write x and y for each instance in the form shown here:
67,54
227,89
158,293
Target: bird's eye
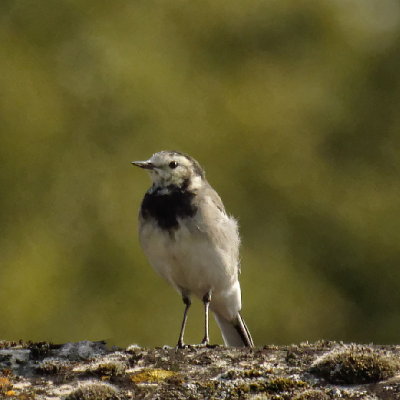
173,164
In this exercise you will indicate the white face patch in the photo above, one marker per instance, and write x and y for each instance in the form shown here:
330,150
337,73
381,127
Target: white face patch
196,182
173,169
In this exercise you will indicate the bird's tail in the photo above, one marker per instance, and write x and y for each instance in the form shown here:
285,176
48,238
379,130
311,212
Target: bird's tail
235,332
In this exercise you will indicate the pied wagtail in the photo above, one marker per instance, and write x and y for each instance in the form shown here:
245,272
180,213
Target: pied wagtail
192,243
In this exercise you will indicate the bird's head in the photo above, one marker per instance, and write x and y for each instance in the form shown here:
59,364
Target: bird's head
171,168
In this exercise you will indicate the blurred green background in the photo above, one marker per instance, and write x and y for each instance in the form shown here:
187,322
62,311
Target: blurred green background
293,107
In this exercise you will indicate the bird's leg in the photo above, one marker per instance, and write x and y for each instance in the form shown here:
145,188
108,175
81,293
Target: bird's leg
187,301
206,301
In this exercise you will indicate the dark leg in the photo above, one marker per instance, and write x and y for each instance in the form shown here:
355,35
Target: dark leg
206,301
187,302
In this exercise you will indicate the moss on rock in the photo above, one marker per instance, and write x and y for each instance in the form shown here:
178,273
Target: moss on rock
94,391
152,376
311,394
355,365
111,369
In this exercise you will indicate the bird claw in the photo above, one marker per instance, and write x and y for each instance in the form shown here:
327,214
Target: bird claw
181,345
204,344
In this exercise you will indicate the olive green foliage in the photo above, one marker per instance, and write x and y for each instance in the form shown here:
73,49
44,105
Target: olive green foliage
293,108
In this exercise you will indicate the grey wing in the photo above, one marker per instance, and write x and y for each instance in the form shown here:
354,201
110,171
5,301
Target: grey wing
215,199
221,228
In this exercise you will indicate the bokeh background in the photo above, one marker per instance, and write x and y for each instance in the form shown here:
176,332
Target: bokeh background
293,107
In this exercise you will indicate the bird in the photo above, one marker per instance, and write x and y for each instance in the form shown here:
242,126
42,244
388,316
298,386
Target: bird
192,242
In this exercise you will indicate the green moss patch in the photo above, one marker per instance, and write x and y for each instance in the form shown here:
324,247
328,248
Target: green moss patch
152,376
283,385
355,365
95,391
276,385
311,394
111,369
53,367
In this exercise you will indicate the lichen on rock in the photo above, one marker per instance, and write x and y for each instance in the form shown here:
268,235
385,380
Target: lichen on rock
90,370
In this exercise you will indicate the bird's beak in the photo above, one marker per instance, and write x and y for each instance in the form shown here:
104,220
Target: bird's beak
143,164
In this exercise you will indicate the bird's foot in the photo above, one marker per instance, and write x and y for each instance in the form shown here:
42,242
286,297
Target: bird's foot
181,345
205,342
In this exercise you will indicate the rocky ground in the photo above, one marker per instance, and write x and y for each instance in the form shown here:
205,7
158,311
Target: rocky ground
91,370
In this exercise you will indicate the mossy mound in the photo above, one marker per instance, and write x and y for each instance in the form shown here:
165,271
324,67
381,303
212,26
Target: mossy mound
276,385
151,375
111,369
311,394
53,367
355,365
94,391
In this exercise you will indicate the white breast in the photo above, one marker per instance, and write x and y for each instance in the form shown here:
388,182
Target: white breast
190,259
